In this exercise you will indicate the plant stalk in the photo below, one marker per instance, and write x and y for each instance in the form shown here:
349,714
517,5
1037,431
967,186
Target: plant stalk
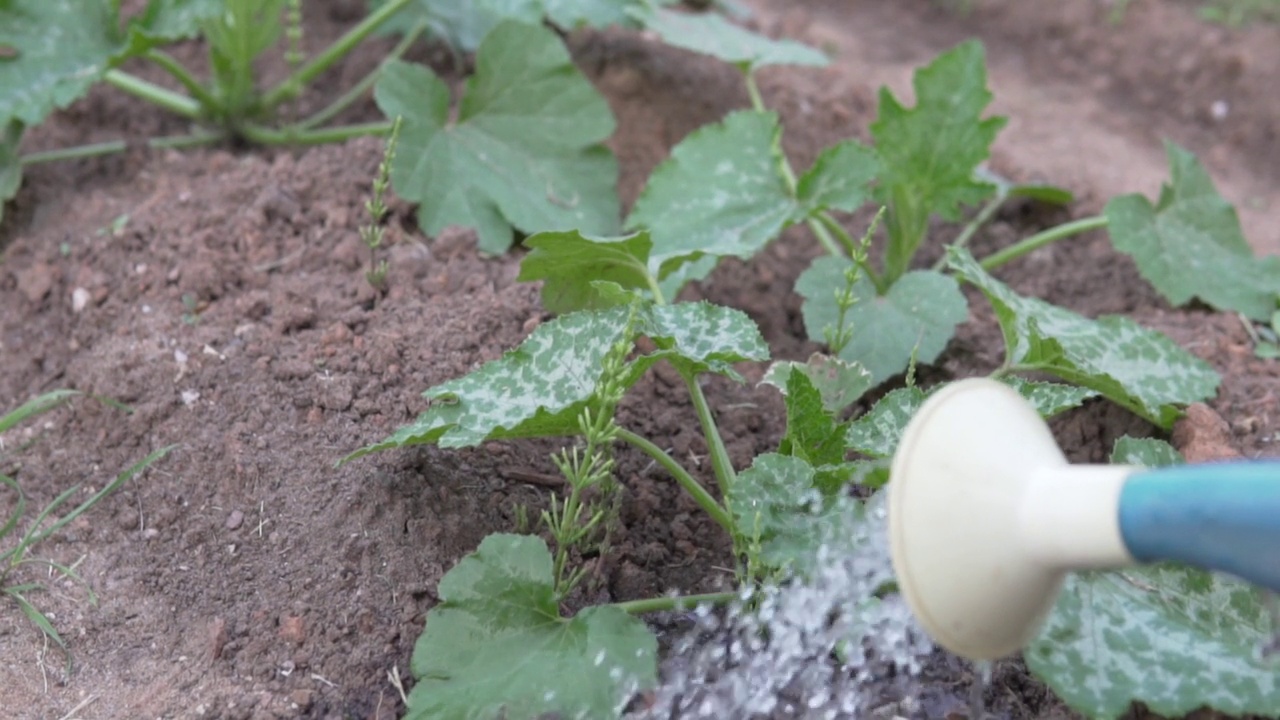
117,146
291,136
682,477
359,89
725,475
292,86
987,212
179,73
1040,239
154,94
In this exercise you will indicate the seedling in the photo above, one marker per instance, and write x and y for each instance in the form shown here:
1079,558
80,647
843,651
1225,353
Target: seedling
45,524
376,207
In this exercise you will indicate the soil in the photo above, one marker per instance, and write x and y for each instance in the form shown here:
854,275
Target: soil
245,576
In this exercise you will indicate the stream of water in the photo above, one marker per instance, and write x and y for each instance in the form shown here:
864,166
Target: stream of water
823,649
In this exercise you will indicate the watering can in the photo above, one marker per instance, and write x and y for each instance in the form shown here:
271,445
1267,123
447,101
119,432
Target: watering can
986,518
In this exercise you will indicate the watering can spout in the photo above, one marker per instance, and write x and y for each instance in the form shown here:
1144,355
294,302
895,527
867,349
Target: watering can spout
986,517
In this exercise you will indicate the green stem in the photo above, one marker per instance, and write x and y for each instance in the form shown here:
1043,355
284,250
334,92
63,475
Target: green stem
978,221
666,604
824,237
753,91
359,89
682,477
117,146
179,73
292,85
1039,240
291,135
725,474
154,94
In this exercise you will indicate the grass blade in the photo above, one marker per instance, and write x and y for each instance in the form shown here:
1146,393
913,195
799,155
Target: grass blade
36,406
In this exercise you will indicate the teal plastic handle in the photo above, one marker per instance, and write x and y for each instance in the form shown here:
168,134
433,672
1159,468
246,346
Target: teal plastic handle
1216,516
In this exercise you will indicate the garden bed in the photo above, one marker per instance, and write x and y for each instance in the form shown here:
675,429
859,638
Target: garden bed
244,576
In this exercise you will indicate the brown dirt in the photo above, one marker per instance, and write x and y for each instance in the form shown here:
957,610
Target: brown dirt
246,577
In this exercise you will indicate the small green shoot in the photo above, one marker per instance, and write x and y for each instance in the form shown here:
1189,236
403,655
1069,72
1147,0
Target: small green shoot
376,208
18,553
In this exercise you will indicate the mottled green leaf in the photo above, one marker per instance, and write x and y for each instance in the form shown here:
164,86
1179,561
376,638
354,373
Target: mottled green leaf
1171,638
569,263
524,151
929,153
775,503
496,645
720,193
1049,398
1137,368
538,389
1190,244
1147,452
918,315
877,433
838,382
701,337
711,34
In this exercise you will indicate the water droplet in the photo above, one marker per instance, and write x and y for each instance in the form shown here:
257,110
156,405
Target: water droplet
977,703
823,647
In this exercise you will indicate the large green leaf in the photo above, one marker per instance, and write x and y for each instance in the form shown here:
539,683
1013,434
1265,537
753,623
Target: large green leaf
711,34
524,151
720,192
572,265
1172,638
877,433
1190,244
1049,398
55,50
1137,368
916,317
931,151
58,49
496,645
538,389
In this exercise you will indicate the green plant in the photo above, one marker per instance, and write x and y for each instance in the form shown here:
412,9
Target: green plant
500,642
45,524
373,233
54,51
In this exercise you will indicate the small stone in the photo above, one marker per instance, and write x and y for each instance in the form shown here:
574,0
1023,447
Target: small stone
292,629
235,520
301,698
150,533
79,299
